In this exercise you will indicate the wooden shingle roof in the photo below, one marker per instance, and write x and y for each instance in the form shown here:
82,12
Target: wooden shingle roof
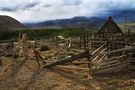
110,26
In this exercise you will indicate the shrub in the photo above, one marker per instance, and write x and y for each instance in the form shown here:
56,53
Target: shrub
45,48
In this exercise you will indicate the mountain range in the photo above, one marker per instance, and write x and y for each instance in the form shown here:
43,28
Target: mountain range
76,22
120,16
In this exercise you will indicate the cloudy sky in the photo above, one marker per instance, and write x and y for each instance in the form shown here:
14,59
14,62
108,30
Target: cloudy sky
41,10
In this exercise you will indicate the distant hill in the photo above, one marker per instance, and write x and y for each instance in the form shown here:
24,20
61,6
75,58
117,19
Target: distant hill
10,23
76,22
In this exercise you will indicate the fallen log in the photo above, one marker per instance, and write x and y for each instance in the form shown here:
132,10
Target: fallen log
69,59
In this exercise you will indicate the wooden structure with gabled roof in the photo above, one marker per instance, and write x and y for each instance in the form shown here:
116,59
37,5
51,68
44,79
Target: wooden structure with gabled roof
109,34
109,27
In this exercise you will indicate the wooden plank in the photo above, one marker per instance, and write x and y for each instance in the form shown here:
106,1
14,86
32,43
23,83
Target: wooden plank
69,59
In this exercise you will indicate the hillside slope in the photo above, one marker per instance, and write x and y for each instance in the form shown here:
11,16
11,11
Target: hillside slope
9,22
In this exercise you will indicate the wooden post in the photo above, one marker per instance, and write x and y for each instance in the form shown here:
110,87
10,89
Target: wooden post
20,35
80,41
23,45
87,39
84,42
38,57
24,42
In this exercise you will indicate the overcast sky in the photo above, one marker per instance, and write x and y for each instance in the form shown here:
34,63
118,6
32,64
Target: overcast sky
41,10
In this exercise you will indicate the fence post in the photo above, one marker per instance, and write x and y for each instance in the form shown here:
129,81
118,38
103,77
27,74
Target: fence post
89,61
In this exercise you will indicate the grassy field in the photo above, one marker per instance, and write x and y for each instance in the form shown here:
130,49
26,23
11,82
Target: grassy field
44,33
6,34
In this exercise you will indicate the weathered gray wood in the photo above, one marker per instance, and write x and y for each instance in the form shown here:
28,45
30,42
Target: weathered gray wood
69,59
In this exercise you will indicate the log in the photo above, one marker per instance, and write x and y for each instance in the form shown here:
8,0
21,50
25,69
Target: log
69,59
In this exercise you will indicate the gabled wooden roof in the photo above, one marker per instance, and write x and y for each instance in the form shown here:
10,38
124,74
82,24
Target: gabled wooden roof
110,26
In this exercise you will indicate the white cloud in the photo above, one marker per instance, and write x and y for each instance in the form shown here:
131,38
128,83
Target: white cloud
40,10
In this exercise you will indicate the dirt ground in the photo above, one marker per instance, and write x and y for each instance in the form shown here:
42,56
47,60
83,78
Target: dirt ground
25,74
